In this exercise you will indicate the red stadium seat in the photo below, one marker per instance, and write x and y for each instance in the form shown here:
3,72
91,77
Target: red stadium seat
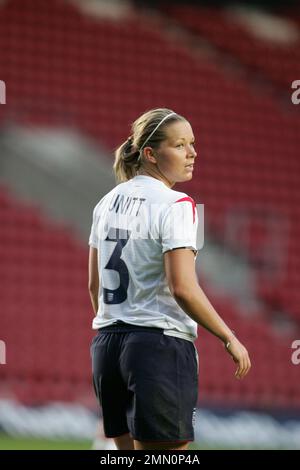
99,80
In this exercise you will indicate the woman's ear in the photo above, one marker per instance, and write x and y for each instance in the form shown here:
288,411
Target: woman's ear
149,155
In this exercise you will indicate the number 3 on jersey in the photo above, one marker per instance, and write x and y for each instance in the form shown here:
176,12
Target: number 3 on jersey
115,263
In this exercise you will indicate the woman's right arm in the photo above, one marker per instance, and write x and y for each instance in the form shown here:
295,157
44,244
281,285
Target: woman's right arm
181,275
93,282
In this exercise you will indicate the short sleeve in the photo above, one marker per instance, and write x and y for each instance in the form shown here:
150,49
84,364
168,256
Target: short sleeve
179,225
93,238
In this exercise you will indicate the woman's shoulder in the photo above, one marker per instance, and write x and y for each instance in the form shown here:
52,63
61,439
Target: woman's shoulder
105,198
177,196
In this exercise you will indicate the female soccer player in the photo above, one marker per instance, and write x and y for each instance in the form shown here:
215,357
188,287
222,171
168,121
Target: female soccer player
144,291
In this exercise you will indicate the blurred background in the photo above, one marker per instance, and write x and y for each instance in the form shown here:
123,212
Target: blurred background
76,74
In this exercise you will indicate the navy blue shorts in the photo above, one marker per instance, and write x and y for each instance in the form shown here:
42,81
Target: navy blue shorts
146,383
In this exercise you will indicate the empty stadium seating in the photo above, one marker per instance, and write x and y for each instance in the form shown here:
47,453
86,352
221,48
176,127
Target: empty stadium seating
45,311
98,75
274,61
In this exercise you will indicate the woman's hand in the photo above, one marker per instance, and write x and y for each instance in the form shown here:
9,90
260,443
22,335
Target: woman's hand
240,356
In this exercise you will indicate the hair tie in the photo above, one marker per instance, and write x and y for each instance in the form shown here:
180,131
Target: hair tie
128,144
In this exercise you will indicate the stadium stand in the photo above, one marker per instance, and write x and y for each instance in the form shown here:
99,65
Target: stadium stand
96,75
231,31
45,318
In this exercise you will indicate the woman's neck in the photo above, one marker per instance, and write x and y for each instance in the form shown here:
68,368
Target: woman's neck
157,175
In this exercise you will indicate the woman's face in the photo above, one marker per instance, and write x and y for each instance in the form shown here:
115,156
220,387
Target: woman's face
176,154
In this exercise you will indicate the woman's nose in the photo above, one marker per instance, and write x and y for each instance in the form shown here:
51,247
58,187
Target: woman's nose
192,152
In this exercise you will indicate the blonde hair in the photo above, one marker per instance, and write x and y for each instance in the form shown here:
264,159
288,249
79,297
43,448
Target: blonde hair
149,129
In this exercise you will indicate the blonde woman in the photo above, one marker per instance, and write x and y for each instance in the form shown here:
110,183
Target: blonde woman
145,293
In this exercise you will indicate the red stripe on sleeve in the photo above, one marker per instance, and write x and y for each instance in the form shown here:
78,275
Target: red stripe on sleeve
191,201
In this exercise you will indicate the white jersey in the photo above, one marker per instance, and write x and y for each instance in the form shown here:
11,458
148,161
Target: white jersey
133,225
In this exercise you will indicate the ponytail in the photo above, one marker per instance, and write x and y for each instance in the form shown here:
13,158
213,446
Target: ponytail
127,161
